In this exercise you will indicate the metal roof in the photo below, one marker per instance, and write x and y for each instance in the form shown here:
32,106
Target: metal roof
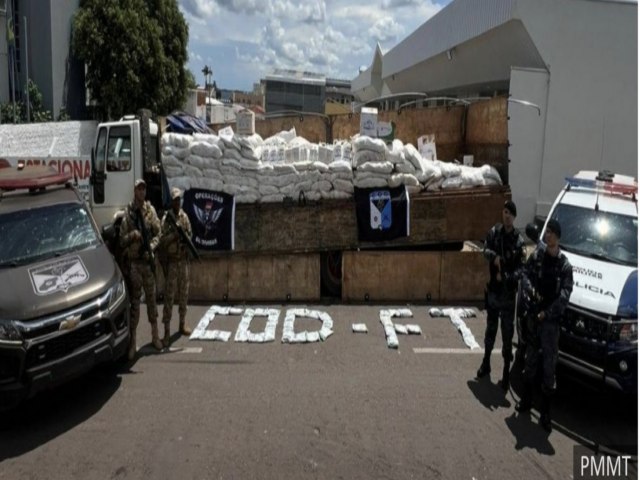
458,22
469,44
296,76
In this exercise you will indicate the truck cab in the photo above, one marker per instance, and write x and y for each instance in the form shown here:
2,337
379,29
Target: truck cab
124,151
598,212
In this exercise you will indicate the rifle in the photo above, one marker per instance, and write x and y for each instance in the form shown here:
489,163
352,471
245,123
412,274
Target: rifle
146,245
184,238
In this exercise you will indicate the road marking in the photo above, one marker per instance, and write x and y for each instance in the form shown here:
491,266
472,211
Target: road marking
185,349
454,350
150,350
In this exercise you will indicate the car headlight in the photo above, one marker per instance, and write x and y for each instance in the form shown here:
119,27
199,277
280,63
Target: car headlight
117,293
9,333
629,332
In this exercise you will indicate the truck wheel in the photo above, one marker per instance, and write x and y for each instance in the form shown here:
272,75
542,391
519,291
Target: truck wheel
331,273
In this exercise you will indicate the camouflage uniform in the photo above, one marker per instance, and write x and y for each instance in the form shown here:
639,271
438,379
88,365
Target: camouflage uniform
141,275
177,273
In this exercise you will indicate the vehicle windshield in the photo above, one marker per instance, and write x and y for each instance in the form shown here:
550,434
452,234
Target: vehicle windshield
40,233
603,235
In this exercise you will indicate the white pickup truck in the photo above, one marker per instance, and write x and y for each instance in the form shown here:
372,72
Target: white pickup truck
598,212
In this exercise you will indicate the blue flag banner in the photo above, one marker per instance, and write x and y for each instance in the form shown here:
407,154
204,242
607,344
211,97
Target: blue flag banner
212,216
382,213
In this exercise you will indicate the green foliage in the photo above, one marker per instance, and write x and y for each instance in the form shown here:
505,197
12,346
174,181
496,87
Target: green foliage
63,116
135,52
9,114
191,79
37,113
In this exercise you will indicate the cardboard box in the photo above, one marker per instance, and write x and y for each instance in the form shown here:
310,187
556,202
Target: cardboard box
369,122
246,122
427,146
387,131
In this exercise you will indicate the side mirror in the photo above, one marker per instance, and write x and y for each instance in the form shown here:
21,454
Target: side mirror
532,232
108,232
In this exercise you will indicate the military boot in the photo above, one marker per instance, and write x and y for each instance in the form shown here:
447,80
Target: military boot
545,412
133,348
131,354
485,367
155,339
184,330
504,383
524,405
167,335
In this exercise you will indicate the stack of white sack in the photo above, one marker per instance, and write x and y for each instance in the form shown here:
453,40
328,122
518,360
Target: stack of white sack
372,169
447,176
286,165
407,166
340,172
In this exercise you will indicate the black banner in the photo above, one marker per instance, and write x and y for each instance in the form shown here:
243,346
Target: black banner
382,213
212,216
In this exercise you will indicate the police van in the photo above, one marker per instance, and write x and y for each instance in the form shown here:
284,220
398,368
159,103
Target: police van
63,301
598,213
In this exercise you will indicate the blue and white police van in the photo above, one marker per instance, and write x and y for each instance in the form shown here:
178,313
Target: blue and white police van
598,213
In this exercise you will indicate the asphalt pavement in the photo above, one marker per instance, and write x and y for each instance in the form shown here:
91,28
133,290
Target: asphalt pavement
348,407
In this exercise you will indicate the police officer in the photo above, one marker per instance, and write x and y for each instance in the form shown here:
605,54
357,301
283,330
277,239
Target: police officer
504,249
139,238
549,277
177,273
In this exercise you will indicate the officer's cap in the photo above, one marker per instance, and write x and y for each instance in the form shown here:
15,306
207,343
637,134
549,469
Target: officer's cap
176,193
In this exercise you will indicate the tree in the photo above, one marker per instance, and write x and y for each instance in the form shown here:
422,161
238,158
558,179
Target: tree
37,113
135,51
191,79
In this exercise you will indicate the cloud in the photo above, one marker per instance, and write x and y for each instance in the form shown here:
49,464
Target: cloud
200,9
302,11
385,30
249,7
311,13
386,4
330,37
358,14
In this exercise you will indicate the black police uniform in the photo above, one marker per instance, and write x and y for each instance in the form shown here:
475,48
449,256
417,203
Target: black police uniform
550,281
500,293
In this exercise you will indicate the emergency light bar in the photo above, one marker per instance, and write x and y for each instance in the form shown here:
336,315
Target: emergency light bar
31,178
603,186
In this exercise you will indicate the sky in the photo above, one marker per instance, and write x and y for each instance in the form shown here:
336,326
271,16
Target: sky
244,40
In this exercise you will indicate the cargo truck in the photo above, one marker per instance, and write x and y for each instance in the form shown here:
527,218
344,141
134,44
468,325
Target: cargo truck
292,251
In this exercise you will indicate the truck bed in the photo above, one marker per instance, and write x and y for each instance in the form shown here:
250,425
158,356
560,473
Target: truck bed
447,216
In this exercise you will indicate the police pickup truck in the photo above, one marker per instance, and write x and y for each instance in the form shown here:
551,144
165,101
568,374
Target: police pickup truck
63,301
598,213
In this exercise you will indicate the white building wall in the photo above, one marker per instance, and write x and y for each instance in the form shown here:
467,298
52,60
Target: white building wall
590,48
526,138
